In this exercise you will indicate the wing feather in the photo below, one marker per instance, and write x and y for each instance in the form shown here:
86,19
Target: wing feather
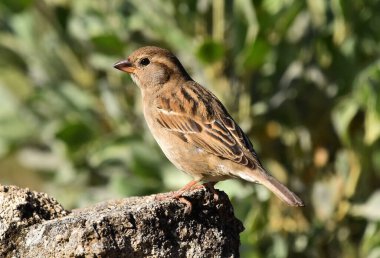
211,130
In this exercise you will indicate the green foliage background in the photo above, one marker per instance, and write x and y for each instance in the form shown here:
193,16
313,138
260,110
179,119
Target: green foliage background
301,77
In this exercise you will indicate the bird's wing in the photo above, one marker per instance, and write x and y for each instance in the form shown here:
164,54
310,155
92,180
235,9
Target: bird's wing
206,124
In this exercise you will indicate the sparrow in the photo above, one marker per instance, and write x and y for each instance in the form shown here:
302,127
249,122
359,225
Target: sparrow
192,127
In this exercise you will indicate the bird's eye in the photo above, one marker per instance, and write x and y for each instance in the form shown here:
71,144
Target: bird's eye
144,61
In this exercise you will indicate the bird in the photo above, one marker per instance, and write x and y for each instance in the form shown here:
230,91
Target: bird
192,126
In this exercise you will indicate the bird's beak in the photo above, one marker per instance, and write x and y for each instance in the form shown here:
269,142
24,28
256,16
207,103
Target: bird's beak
125,66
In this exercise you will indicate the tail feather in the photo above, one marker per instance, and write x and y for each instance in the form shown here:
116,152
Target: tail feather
280,190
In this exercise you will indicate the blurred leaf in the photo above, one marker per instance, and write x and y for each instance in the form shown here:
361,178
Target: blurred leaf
325,198
370,244
342,115
11,58
40,159
372,127
14,122
108,44
255,55
348,168
280,248
366,90
63,15
370,209
318,11
313,67
75,134
210,51
75,96
376,160
16,81
374,253
16,5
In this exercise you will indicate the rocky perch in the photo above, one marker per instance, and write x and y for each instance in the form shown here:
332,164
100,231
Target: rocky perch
33,224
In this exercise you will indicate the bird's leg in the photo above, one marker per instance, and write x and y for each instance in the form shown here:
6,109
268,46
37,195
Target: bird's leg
209,186
192,185
178,195
187,187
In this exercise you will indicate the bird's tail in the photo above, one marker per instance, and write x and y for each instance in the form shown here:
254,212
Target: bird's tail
280,190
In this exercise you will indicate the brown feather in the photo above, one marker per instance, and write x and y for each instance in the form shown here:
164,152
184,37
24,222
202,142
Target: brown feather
192,126
209,126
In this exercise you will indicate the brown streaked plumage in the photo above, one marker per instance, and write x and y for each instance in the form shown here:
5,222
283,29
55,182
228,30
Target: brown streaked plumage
192,126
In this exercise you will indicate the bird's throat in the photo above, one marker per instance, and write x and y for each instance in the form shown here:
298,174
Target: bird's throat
136,80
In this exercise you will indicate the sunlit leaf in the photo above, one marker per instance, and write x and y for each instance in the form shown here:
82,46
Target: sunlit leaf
366,90
372,127
325,198
370,209
342,116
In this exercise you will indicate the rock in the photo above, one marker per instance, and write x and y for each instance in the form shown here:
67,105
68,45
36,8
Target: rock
33,224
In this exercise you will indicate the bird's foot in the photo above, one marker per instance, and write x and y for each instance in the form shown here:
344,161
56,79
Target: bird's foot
180,198
192,185
178,195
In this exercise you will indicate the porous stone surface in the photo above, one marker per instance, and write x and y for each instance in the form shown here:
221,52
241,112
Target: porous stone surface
35,225
21,208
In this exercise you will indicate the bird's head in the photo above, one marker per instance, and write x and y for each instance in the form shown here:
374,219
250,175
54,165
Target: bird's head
152,67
